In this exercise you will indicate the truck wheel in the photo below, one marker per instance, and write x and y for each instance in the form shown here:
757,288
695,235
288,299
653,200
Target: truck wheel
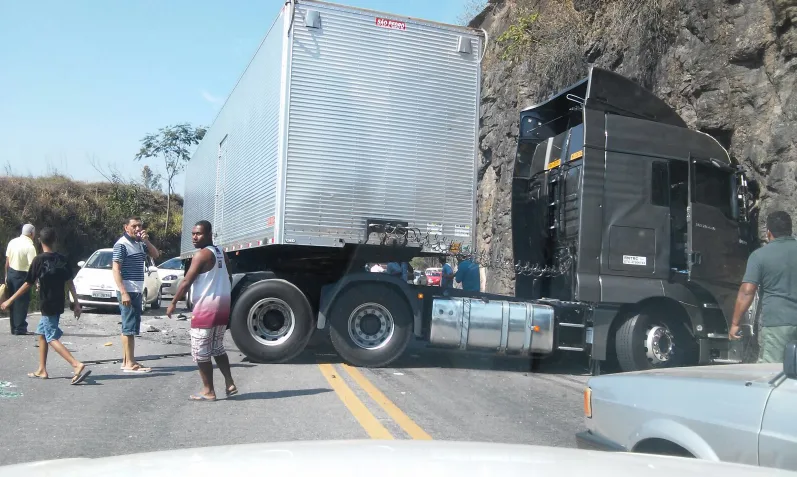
371,325
272,321
189,304
647,342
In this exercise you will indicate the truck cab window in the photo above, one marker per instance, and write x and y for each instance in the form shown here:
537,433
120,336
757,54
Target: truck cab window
713,187
575,146
660,184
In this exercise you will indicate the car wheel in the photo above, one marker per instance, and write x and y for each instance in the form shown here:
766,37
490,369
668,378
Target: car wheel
157,303
371,325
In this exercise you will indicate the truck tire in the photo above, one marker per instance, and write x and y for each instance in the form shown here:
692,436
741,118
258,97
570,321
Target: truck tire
189,304
645,341
371,325
272,321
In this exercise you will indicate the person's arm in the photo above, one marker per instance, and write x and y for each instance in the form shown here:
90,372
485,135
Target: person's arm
33,272
199,263
77,310
746,294
119,253
22,290
152,251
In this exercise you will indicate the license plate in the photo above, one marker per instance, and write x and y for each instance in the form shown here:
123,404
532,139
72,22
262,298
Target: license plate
101,294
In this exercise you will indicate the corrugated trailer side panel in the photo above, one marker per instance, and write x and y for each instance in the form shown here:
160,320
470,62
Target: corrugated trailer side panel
382,124
231,179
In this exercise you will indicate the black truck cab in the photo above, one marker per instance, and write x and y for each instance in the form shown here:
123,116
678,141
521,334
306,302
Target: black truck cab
623,207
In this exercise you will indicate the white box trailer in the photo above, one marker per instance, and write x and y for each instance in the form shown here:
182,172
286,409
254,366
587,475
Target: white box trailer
343,116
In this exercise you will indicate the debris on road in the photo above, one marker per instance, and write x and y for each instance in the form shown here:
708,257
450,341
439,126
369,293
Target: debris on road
4,393
108,344
148,327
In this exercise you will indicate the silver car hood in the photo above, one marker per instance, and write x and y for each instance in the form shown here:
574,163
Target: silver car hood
729,372
382,459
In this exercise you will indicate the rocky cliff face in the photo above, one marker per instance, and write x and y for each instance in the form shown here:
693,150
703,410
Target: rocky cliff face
727,66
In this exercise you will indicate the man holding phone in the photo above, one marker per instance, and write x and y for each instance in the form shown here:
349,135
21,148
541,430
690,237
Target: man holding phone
129,261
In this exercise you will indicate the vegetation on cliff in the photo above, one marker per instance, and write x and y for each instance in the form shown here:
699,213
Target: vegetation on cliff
87,216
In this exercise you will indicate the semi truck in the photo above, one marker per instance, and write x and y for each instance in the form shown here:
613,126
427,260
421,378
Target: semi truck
352,138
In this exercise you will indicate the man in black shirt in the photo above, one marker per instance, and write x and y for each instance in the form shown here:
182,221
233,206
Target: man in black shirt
53,274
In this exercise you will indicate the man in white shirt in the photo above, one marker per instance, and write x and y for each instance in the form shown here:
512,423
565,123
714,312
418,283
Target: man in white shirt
19,255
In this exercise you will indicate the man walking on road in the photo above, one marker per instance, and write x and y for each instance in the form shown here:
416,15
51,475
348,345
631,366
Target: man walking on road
19,255
772,269
129,259
210,282
54,275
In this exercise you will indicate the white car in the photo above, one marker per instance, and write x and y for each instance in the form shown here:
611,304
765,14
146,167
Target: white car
96,288
171,273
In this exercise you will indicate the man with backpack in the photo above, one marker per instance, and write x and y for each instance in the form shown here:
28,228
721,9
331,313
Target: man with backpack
54,274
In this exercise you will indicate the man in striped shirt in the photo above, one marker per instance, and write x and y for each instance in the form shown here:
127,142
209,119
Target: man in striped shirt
129,259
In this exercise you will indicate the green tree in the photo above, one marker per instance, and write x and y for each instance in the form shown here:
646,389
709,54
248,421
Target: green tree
150,179
173,144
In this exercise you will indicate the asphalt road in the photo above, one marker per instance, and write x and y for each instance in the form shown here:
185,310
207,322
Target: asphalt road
426,395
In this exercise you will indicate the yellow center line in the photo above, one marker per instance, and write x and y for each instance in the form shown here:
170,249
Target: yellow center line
403,420
368,421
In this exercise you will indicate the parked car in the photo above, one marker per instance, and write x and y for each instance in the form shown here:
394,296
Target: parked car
95,286
171,273
433,276
742,413
419,278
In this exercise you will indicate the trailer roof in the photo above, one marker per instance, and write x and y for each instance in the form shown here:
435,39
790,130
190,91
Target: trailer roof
464,29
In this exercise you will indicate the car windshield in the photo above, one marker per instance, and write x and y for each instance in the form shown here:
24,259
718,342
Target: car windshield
101,260
172,264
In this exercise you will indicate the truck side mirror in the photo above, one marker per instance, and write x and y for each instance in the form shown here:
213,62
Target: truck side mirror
790,360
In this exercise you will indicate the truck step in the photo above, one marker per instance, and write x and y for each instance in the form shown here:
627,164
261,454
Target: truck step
572,325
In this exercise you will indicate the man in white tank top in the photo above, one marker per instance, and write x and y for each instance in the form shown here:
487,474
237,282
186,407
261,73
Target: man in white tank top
210,282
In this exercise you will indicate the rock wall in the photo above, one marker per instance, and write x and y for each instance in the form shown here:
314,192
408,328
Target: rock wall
727,66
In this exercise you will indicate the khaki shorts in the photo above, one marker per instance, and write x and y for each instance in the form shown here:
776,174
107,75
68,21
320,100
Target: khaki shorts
207,342
772,342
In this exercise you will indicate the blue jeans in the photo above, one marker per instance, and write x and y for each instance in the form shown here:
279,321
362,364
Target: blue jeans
48,327
131,315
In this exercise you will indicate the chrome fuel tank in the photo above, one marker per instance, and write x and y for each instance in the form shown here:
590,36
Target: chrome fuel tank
503,327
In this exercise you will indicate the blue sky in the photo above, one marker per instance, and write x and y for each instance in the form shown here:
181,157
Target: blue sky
82,81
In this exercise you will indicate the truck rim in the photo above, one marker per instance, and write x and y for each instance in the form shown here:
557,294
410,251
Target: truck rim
271,321
659,345
371,326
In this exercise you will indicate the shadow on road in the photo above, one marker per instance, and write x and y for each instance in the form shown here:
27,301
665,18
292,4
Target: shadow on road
113,377
419,356
288,393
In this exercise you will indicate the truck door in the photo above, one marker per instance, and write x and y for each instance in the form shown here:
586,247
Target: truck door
715,252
